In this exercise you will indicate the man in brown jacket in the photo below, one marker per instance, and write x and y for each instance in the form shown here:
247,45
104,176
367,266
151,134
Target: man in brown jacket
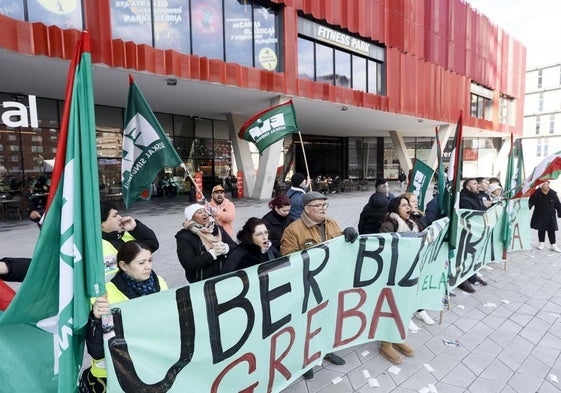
314,227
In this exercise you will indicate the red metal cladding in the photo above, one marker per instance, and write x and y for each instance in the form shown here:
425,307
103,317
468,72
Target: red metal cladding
435,49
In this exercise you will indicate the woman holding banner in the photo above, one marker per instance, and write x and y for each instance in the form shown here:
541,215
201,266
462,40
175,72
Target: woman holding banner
135,278
397,220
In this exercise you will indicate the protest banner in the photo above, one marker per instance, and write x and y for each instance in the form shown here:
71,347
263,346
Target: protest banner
263,326
260,328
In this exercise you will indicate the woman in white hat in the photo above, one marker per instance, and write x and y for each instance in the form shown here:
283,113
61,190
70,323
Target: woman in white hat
202,245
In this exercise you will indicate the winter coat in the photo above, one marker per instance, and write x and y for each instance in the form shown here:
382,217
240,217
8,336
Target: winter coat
545,207
295,194
246,255
374,213
276,225
117,291
304,233
394,223
198,263
471,200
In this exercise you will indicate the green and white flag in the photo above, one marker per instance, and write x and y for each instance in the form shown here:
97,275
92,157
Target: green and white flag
270,125
146,148
42,332
420,182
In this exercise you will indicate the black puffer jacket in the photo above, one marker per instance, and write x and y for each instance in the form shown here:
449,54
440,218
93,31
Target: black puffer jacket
246,255
374,213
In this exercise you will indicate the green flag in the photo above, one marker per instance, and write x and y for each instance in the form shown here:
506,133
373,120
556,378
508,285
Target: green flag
507,230
42,331
146,148
441,180
420,182
455,169
269,126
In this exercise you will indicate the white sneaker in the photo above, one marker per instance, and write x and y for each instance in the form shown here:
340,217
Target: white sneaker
487,267
425,317
555,248
413,327
540,246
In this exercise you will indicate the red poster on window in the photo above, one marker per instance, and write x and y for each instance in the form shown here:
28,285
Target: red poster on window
239,177
199,182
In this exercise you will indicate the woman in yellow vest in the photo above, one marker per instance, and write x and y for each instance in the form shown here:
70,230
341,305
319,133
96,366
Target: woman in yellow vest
135,278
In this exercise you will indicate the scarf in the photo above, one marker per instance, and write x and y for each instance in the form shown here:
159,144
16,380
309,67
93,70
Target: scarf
209,235
402,225
141,287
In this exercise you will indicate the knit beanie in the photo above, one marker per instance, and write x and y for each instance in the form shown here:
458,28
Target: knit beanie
297,179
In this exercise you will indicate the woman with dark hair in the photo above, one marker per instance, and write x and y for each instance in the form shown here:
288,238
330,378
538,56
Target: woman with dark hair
278,218
398,220
134,278
254,247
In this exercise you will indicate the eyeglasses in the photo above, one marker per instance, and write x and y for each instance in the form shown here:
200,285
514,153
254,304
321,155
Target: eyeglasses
321,205
261,234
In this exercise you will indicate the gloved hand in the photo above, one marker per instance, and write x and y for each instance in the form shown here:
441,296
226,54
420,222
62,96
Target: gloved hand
350,234
220,248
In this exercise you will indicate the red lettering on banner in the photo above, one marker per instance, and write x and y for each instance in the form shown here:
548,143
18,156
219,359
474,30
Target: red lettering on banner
248,358
309,335
386,294
276,364
342,314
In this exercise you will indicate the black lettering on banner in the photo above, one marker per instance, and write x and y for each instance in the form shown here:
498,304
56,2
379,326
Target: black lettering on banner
215,310
268,295
124,368
393,260
308,275
467,244
360,259
407,281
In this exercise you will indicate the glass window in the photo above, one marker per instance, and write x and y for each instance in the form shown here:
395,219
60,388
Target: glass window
373,76
207,32
267,48
552,123
172,25
324,63
66,14
130,22
47,112
166,121
106,116
183,126
12,9
540,79
306,59
540,102
238,22
538,125
342,68
359,73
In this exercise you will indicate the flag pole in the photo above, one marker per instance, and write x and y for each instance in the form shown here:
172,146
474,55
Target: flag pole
305,161
188,173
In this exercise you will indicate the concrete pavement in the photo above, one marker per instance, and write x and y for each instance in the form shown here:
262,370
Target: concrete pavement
508,333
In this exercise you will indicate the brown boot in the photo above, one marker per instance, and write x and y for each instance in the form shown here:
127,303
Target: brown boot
387,351
405,349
